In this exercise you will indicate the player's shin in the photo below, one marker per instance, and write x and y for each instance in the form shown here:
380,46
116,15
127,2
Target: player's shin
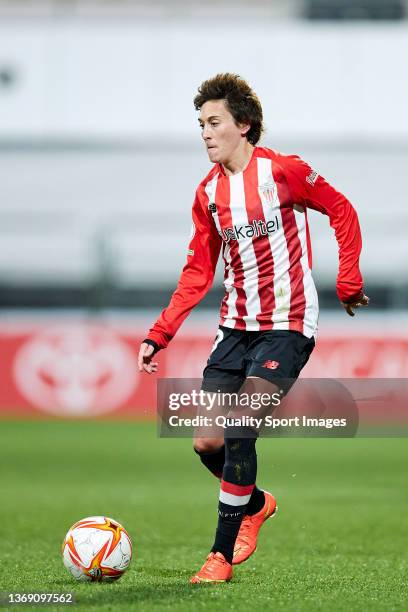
237,485
214,462
212,459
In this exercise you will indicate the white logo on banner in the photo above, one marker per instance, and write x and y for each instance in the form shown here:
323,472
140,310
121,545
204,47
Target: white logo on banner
76,370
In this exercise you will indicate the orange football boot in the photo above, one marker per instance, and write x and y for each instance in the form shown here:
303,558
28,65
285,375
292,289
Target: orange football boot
215,569
245,544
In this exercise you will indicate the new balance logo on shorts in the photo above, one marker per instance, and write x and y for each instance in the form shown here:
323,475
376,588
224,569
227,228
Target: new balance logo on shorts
271,365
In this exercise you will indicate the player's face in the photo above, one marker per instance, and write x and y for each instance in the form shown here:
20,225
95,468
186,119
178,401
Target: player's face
222,136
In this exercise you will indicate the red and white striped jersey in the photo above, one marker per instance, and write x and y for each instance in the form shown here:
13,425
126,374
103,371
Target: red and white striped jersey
258,218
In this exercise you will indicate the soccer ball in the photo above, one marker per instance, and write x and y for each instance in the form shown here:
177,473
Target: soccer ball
97,549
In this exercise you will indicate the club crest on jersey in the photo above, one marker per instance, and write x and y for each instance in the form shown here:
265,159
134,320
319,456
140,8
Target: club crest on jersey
212,208
269,190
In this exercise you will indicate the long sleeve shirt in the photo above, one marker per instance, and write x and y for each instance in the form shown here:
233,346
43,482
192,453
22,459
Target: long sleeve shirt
257,218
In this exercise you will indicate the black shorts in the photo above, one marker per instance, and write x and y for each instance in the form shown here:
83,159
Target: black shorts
275,355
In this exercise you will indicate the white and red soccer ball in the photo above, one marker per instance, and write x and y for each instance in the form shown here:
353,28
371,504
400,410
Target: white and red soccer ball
97,549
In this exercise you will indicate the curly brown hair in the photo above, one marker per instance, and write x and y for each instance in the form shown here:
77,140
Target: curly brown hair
241,101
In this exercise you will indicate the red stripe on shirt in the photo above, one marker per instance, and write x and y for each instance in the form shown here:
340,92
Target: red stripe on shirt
308,243
223,193
261,246
297,289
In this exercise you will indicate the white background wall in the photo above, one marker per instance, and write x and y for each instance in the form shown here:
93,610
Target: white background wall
137,79
336,95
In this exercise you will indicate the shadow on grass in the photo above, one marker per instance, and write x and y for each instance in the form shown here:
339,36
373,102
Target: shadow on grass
151,586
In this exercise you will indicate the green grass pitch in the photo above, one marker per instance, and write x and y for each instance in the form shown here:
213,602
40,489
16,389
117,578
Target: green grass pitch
339,541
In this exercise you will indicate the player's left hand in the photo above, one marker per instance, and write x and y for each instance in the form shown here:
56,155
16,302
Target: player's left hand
351,307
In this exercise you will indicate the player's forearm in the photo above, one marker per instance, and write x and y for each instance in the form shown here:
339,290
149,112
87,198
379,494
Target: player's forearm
308,187
344,220
184,299
349,284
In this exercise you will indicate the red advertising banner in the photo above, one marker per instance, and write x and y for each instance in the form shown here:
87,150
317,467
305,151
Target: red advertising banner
88,369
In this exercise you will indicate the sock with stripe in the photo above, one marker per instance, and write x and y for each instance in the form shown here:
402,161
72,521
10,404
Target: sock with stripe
237,485
256,503
213,461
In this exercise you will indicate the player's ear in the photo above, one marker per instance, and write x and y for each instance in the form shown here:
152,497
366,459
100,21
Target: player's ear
244,127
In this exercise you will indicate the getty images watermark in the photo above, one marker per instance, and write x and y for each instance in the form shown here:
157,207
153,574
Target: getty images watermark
229,403
305,407
210,400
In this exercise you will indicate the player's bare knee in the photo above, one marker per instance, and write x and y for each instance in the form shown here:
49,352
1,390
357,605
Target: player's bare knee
207,445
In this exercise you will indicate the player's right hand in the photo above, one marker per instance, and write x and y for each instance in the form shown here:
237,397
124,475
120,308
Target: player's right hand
144,361
351,307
